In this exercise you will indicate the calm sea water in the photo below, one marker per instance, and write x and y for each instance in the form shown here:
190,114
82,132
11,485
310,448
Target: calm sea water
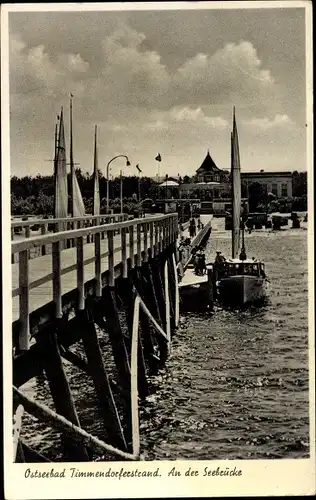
236,384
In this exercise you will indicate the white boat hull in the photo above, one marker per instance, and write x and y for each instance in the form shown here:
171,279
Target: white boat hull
241,289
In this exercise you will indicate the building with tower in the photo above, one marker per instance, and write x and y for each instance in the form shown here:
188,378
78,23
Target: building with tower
208,183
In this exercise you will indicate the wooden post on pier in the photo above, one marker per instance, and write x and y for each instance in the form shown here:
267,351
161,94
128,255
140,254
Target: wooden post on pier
159,296
100,379
177,297
147,340
171,293
167,302
120,353
150,298
159,289
128,299
18,455
60,391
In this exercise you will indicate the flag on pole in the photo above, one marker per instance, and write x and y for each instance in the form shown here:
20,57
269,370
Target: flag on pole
139,170
158,157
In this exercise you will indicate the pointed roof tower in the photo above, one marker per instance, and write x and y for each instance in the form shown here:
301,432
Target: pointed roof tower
208,165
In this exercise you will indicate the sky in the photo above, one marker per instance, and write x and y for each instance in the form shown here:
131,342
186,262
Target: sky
159,81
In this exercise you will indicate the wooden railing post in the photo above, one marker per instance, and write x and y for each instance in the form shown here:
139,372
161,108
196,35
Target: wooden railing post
139,242
123,245
111,258
156,245
24,300
97,252
145,226
151,239
80,273
56,265
131,245
43,232
164,234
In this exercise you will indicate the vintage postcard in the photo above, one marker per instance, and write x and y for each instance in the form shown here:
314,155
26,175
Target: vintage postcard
158,253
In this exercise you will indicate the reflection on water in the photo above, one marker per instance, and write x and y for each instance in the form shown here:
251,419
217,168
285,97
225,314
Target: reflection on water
236,384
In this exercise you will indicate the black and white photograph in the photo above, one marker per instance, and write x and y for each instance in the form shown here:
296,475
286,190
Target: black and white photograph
157,179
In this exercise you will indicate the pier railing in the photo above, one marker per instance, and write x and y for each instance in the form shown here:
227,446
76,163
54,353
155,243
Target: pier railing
67,224
48,226
140,239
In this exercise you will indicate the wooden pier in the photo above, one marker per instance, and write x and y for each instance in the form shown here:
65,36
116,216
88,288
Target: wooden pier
115,279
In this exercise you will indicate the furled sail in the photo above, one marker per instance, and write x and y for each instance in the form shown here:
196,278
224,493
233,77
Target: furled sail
236,189
96,189
77,205
60,172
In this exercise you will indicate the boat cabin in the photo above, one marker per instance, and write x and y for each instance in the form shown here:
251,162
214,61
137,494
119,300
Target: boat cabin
241,267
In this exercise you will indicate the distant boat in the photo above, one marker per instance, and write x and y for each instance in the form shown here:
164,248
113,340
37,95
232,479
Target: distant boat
238,281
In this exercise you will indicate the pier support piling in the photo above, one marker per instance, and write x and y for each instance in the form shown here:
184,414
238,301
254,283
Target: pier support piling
120,353
61,394
100,379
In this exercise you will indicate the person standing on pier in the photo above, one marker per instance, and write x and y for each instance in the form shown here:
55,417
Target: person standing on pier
192,228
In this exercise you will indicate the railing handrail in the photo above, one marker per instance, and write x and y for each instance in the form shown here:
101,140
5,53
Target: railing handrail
28,243
34,222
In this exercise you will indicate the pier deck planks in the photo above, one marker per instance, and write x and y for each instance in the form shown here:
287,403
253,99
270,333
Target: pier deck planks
41,266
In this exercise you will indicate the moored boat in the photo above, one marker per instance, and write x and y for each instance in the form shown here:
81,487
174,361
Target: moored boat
241,282
238,281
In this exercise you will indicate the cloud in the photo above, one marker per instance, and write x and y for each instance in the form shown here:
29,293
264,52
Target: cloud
33,71
184,116
230,72
279,121
141,103
129,75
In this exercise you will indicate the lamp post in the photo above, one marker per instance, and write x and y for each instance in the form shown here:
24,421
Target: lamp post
108,183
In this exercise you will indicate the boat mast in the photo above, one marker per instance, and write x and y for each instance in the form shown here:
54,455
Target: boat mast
236,189
55,161
243,255
96,189
71,164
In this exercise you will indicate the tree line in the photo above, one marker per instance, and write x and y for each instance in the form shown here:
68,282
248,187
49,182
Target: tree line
35,195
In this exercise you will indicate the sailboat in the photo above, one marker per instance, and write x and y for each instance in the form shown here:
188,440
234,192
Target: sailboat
60,171
238,280
77,208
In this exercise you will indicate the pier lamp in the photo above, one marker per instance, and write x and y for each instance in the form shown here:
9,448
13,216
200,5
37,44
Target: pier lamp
108,181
